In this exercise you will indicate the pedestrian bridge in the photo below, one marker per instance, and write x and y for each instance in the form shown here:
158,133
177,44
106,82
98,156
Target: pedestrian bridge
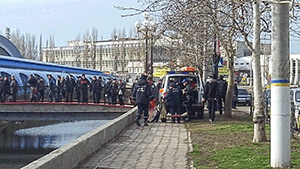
17,111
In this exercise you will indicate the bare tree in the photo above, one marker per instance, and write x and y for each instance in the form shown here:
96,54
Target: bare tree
40,48
87,48
77,51
93,46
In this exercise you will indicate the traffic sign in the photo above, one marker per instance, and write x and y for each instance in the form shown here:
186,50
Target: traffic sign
220,64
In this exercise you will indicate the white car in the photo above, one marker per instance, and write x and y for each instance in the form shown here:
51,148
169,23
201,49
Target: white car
196,82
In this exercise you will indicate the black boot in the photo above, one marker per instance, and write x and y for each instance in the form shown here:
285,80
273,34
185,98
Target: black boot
137,121
173,119
146,122
178,118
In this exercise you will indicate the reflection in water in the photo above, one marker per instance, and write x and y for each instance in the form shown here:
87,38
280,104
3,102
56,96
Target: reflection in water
22,143
56,135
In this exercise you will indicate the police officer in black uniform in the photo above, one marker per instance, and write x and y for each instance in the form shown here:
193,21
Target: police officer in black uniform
94,88
77,90
70,84
84,85
188,95
142,96
99,89
173,101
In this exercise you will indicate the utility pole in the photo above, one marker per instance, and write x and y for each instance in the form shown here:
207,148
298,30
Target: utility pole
280,86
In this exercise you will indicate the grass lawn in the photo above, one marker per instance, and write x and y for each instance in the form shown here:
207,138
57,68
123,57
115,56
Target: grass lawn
227,143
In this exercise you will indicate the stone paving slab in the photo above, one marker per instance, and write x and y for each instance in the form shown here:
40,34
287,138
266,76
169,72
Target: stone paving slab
159,145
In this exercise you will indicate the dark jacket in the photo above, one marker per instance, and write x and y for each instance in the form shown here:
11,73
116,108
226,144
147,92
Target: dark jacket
14,86
84,84
235,90
99,85
52,84
173,96
222,87
189,93
1,85
94,86
154,91
122,88
211,89
142,92
41,86
6,86
69,84
32,82
107,88
114,89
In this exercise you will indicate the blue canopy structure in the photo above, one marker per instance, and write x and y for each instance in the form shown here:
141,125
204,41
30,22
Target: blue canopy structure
8,49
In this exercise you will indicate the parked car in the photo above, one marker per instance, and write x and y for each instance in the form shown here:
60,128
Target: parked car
244,97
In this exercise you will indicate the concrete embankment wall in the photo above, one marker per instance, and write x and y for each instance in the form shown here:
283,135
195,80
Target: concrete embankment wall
69,156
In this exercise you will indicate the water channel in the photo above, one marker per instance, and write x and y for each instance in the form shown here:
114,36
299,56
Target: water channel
24,142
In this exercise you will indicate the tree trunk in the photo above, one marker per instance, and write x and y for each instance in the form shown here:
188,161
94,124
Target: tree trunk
258,116
229,94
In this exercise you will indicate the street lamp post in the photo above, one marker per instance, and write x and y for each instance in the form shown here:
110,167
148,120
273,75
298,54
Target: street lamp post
147,27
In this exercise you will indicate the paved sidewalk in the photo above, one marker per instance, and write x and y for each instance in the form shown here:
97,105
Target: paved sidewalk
159,145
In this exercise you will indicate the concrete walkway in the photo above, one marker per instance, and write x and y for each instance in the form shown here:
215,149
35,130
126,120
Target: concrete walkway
159,145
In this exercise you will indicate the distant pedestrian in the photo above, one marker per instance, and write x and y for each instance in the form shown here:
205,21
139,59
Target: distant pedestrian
32,81
84,85
5,89
1,89
99,89
211,93
52,89
114,92
121,92
13,89
142,96
78,89
222,93
59,87
94,88
41,87
69,87
107,94
235,94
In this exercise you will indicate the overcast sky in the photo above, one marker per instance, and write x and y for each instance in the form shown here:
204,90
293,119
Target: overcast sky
66,18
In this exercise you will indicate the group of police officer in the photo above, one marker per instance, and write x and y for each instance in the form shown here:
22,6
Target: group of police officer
214,93
66,88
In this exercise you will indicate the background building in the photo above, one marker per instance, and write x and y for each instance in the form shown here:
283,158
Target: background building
120,55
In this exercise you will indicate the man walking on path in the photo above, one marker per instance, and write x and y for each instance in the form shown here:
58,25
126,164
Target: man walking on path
211,93
222,93
142,96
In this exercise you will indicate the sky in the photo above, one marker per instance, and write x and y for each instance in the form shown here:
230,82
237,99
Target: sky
65,19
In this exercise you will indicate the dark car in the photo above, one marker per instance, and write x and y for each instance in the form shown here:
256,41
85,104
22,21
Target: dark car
244,97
